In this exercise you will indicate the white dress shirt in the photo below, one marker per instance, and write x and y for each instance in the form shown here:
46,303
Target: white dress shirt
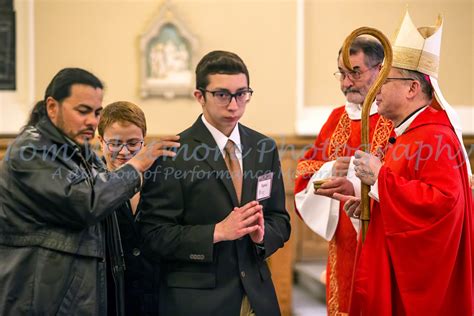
221,139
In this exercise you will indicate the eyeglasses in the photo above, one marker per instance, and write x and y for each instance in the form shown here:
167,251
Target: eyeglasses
395,78
132,146
224,97
352,75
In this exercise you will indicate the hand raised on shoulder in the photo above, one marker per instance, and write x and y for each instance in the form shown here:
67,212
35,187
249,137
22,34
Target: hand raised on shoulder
150,152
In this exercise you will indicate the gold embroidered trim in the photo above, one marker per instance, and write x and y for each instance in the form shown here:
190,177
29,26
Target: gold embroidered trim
308,167
337,145
382,132
333,302
339,138
415,59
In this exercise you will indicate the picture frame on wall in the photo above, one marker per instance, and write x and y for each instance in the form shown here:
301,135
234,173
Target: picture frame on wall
167,57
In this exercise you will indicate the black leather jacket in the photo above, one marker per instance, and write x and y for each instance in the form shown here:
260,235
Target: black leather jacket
53,197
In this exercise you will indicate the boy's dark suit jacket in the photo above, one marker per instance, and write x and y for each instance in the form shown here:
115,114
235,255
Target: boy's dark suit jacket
182,200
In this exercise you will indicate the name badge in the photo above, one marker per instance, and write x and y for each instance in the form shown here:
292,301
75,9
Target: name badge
264,186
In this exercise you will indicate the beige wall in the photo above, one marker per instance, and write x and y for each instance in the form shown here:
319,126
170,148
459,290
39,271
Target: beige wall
102,36
329,22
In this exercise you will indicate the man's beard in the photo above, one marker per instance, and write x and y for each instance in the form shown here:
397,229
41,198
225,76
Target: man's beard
72,136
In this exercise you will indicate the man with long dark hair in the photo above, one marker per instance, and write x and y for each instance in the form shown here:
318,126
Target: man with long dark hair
54,193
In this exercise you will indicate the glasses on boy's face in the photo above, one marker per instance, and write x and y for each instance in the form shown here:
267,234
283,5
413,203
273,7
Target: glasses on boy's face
132,145
224,97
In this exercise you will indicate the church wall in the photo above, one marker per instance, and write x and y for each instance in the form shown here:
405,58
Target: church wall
329,22
103,36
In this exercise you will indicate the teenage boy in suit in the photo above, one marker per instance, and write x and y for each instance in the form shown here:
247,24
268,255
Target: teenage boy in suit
216,211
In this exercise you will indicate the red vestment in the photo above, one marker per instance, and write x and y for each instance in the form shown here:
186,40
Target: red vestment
340,136
418,257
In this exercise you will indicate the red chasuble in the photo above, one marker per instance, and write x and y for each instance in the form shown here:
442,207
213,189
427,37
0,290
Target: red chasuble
418,255
340,136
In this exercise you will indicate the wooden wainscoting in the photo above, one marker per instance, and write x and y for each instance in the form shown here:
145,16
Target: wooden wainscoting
5,141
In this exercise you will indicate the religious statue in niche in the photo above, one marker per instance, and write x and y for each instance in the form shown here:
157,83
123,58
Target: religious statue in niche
168,55
167,58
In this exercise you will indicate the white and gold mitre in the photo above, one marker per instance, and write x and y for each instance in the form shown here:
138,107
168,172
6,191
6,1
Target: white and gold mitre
418,48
